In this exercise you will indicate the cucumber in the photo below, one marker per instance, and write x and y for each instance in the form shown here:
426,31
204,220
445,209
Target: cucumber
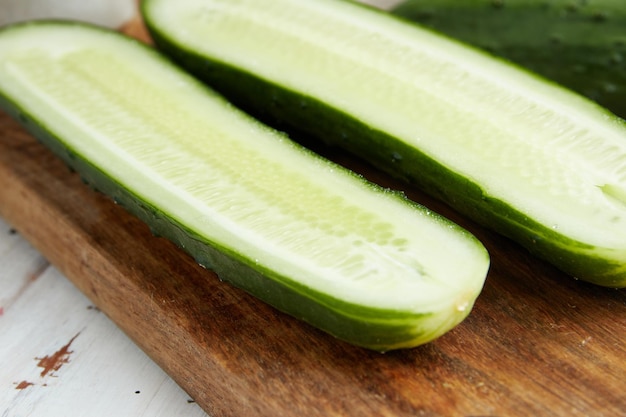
524,156
579,44
305,235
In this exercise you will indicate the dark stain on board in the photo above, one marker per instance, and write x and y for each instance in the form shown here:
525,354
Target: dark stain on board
54,362
23,385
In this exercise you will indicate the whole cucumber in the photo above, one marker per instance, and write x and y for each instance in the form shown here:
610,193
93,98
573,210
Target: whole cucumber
579,44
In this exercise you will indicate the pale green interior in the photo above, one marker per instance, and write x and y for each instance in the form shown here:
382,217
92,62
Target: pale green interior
217,172
565,167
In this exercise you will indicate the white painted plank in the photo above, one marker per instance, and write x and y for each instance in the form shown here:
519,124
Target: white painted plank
60,356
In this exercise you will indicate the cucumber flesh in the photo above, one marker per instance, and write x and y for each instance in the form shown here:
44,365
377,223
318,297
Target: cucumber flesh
581,45
303,234
517,153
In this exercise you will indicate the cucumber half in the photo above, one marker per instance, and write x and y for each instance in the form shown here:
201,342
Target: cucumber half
519,154
299,232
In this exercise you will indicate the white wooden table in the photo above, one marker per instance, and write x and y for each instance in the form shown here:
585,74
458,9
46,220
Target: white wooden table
60,356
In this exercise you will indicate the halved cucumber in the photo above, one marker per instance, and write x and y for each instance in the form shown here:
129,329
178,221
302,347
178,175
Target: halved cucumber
579,44
305,235
525,157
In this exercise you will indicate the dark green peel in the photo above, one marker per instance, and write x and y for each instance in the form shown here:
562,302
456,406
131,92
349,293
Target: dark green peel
579,44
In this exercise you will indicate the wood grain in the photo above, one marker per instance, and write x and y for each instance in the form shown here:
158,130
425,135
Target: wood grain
537,342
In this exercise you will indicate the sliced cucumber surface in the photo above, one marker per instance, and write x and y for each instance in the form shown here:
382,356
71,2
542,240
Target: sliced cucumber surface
517,153
303,234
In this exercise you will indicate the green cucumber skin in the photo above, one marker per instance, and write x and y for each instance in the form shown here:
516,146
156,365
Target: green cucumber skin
290,110
580,45
375,329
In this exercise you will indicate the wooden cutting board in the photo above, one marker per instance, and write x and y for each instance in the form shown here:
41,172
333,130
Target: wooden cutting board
537,343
